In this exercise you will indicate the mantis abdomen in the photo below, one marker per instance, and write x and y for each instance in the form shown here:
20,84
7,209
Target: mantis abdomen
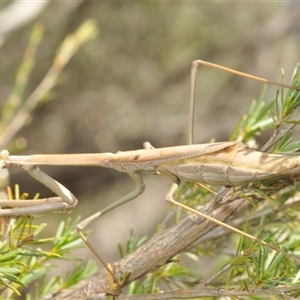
234,166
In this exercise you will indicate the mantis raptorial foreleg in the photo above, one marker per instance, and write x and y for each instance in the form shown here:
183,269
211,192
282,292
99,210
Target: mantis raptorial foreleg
217,164
29,207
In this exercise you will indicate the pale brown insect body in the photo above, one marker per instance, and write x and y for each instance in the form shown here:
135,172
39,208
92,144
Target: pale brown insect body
216,164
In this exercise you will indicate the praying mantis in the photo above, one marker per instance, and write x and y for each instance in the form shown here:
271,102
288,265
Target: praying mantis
218,164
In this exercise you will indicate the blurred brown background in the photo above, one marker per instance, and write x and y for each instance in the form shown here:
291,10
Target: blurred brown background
131,85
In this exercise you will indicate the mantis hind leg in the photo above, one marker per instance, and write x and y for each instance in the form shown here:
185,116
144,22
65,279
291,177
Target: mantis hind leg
169,199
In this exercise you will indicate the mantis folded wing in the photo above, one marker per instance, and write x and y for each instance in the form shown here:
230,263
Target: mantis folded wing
217,164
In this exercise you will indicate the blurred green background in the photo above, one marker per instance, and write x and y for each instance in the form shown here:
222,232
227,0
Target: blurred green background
131,84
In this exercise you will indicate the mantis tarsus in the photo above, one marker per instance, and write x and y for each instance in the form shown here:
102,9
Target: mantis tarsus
217,164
